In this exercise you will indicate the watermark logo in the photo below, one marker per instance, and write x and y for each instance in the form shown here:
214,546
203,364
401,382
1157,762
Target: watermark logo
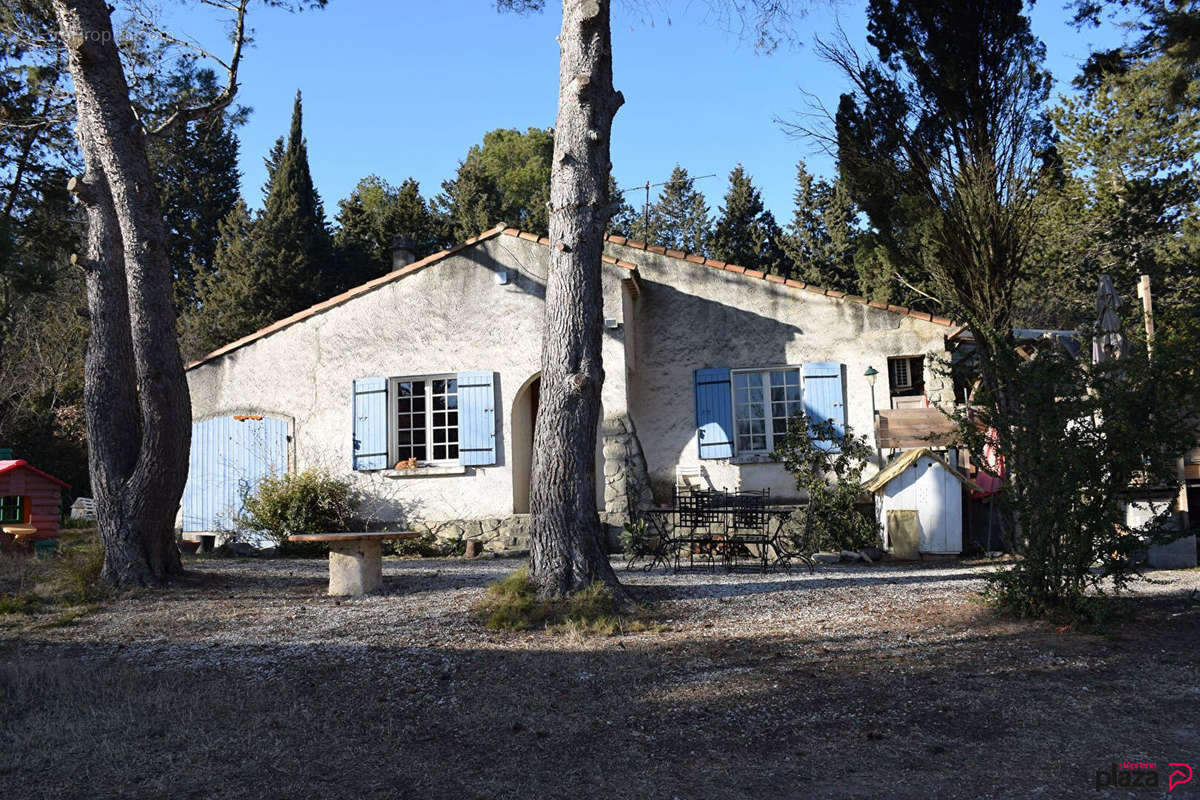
1135,774
1179,777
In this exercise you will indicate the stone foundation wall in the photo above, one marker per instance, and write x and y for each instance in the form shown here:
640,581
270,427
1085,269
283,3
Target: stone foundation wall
505,534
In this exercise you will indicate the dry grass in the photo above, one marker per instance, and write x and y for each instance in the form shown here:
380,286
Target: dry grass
511,604
68,579
849,683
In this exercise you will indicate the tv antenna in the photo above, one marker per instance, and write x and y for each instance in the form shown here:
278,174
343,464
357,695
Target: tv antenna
648,186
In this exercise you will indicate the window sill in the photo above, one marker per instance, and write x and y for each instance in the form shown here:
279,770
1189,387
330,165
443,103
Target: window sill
426,472
753,458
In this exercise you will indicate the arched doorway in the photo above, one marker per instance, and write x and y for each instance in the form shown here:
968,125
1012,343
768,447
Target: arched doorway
524,415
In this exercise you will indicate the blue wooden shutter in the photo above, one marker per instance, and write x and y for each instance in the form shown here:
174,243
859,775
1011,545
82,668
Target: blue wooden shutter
714,412
476,418
370,424
823,397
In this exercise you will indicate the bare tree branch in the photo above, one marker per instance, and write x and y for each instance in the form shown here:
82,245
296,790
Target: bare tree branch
222,100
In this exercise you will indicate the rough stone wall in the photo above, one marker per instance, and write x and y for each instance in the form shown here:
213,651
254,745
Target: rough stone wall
626,484
497,534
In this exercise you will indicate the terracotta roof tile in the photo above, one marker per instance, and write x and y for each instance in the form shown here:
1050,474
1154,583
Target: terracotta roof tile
675,253
795,284
654,248
942,321
775,278
695,258
753,273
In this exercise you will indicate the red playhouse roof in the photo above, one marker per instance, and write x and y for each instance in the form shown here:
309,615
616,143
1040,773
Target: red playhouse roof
8,466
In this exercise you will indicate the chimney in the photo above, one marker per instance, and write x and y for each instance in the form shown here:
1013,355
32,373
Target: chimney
403,251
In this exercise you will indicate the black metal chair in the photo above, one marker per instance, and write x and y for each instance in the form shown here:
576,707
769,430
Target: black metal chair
748,526
700,523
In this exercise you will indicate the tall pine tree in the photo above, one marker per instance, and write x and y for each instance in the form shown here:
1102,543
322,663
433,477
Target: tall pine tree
820,241
235,297
681,214
267,267
746,233
198,180
297,251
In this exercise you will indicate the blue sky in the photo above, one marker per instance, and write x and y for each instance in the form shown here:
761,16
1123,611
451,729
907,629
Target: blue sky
405,88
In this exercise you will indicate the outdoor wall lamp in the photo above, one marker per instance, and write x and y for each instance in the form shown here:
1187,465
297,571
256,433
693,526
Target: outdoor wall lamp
871,374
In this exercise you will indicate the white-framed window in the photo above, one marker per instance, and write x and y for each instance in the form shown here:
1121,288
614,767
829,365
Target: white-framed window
763,402
425,418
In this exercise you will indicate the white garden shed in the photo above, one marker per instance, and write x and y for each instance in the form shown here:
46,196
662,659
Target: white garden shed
918,500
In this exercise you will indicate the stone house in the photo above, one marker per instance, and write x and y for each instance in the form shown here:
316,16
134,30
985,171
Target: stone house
436,363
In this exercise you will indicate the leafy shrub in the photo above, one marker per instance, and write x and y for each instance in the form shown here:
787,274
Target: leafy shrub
1078,439
298,503
635,539
828,467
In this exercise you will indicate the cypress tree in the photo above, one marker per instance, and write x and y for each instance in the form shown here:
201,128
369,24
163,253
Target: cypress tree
297,252
746,233
235,298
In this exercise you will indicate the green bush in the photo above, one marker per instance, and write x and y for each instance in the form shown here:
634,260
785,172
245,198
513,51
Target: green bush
635,539
828,467
1079,440
298,503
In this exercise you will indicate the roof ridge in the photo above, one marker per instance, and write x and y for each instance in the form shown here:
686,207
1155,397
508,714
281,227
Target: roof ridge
11,464
349,294
696,258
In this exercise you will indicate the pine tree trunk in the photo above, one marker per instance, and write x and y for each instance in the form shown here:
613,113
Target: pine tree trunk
568,550
135,393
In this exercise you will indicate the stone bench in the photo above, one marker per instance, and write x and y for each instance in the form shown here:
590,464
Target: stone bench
355,559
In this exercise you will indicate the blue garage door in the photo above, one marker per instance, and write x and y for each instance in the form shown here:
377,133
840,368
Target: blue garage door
230,455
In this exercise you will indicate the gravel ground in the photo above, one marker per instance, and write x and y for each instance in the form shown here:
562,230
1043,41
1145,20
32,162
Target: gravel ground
871,682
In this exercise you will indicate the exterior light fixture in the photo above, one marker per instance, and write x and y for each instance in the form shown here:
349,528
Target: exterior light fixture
871,374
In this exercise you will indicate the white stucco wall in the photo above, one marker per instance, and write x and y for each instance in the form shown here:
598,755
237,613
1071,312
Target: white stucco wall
453,315
692,316
447,317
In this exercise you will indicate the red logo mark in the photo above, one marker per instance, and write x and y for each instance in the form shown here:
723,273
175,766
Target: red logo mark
1178,777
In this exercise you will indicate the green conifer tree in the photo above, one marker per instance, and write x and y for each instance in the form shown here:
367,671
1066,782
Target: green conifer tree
746,233
821,239
296,246
681,214
235,298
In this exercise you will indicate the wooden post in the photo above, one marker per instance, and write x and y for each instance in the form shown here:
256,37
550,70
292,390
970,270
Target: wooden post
1143,291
